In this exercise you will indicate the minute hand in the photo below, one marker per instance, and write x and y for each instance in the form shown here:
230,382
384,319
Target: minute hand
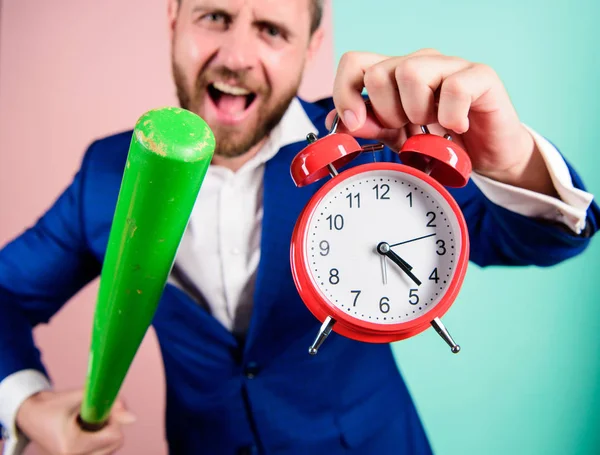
412,240
384,248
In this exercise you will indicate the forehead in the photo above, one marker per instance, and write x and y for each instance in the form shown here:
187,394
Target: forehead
291,11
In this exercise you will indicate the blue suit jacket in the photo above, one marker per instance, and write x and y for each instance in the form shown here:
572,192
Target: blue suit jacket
264,394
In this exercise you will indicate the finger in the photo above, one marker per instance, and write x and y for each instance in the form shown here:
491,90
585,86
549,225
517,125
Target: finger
104,440
418,79
383,90
109,450
119,406
470,87
73,400
121,414
433,128
113,448
383,93
372,129
349,83
348,86
123,417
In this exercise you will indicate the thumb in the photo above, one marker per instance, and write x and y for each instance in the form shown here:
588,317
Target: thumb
72,399
121,414
353,115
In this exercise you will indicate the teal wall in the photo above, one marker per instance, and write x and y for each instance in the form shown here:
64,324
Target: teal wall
528,378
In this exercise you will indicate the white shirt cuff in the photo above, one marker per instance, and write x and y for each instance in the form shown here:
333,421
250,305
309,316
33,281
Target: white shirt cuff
570,209
14,390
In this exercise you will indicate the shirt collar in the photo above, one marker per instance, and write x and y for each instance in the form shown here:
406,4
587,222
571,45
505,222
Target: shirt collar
293,127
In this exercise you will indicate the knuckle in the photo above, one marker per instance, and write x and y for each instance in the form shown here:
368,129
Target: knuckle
120,443
65,448
428,51
455,86
420,117
408,70
349,58
485,70
456,60
116,434
418,114
376,77
117,440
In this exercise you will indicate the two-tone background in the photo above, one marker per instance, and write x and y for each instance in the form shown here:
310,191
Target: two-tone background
527,380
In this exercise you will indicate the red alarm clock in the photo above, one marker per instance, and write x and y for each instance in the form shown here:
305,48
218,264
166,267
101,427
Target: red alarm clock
380,252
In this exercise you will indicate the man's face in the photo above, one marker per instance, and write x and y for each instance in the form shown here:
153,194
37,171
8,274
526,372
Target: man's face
238,64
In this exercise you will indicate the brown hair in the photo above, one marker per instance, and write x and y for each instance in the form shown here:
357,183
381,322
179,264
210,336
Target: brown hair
316,14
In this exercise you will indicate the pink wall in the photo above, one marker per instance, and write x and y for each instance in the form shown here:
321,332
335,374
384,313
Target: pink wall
72,71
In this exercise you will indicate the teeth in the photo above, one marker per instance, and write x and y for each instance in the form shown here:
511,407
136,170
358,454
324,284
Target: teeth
230,89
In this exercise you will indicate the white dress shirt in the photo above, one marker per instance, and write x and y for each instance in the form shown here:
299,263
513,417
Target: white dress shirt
219,253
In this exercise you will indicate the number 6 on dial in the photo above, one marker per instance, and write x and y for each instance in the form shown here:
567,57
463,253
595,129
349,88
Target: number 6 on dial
380,252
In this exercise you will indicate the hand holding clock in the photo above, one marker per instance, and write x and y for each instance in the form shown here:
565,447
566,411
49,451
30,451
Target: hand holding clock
448,94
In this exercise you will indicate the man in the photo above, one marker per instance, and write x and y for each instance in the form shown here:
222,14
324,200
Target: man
232,330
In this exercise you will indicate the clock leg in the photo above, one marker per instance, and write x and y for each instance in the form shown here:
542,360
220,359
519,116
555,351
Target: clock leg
323,332
443,332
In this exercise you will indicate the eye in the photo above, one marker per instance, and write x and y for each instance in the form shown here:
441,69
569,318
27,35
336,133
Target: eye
215,20
215,17
272,31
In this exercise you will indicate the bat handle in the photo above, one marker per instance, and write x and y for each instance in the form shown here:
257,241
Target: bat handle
90,427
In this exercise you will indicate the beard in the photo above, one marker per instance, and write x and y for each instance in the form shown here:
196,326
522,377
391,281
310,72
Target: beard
234,141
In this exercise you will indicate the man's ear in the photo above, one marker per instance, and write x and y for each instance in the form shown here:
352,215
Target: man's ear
172,11
315,43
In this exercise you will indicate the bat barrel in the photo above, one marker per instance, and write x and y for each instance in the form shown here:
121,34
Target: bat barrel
169,154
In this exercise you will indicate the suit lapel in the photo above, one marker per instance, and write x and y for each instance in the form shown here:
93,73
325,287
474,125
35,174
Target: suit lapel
276,301
282,202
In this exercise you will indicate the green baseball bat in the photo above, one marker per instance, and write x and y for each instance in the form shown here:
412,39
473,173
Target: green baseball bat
169,154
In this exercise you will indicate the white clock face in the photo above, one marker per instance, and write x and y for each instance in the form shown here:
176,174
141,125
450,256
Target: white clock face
372,209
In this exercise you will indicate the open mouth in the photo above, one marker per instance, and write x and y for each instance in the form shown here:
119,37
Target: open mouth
230,100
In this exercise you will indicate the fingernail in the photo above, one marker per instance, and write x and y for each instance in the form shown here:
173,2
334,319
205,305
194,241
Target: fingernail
350,120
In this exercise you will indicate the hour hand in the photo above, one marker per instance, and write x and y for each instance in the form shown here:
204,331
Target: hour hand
384,249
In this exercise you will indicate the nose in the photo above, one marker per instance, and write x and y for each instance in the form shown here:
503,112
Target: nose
238,51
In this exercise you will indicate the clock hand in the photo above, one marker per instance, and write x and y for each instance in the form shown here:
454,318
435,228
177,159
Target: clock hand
412,240
384,249
384,269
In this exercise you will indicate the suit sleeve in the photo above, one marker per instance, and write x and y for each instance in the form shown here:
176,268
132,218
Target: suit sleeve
39,271
499,236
